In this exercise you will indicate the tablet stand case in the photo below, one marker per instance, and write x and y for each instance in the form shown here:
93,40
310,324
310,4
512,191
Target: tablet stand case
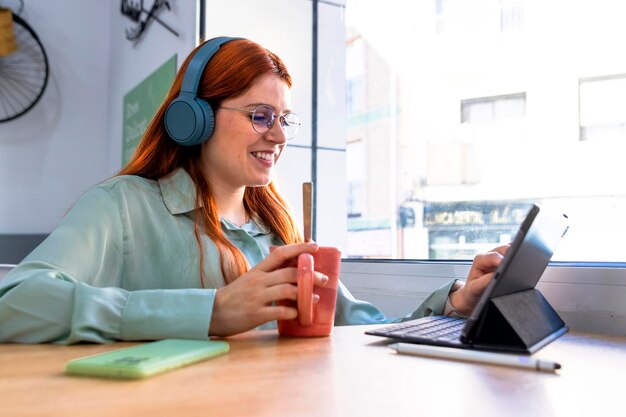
520,322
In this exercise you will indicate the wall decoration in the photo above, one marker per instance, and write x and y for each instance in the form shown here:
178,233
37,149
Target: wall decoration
141,103
23,65
134,10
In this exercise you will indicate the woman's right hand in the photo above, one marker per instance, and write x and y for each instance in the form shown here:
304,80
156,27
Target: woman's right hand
249,301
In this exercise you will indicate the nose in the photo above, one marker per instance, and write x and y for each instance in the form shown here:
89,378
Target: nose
276,133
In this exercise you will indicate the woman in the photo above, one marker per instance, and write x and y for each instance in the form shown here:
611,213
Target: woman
177,244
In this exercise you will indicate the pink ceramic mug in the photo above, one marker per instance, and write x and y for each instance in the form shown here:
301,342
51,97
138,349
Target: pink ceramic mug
314,319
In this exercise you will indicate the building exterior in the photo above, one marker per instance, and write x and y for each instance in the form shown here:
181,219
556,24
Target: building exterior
460,117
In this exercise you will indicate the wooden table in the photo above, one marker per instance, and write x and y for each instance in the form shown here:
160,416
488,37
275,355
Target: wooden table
346,374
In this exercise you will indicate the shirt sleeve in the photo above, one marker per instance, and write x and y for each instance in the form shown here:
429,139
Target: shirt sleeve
352,311
69,288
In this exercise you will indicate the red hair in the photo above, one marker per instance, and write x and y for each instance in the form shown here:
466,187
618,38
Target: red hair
229,74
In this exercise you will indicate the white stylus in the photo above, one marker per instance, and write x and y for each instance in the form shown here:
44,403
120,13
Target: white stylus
491,358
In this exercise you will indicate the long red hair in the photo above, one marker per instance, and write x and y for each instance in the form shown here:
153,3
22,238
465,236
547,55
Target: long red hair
229,74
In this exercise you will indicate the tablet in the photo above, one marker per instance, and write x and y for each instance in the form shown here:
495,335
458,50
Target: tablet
511,315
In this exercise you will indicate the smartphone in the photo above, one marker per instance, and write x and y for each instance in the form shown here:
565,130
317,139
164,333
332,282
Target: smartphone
146,359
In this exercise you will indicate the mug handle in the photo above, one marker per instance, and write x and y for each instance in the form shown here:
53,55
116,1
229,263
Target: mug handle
305,289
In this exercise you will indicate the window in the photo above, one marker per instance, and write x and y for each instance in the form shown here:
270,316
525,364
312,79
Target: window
402,173
462,114
603,109
355,167
511,15
493,110
478,16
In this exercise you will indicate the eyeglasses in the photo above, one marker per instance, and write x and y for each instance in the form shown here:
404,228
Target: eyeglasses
264,116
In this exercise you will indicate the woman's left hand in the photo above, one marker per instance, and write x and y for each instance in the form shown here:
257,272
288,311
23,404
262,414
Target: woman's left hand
464,299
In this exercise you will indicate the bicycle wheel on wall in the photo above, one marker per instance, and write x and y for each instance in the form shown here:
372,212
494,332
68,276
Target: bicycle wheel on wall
23,73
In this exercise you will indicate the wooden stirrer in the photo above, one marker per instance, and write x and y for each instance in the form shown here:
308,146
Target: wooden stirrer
307,209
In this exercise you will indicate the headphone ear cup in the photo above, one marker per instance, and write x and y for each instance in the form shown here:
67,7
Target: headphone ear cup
208,117
189,120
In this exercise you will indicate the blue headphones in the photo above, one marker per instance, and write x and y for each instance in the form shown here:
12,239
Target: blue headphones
189,119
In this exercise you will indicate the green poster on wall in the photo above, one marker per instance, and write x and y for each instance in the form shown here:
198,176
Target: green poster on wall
141,103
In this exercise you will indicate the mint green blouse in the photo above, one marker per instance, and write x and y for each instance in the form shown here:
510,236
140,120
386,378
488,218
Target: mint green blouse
123,264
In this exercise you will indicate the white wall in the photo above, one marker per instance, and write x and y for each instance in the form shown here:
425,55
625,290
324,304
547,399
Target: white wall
132,62
51,154
72,138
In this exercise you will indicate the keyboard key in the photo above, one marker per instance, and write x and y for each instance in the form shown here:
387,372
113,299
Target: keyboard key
441,328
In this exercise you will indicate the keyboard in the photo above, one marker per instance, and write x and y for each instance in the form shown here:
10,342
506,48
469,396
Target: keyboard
442,329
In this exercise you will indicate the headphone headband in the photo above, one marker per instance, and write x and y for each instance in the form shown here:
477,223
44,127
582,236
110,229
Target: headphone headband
201,58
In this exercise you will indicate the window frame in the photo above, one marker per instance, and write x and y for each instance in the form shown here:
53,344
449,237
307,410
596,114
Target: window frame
582,137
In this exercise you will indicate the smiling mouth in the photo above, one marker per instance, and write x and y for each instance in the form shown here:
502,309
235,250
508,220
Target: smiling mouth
263,155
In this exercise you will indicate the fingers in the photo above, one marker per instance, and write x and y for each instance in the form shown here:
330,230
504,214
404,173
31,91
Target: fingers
480,283
320,279
493,257
280,285
501,249
277,312
271,313
489,261
290,275
483,267
280,292
284,292
238,308
281,276
280,255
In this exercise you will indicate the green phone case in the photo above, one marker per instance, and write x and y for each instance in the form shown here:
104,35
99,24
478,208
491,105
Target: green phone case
147,359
